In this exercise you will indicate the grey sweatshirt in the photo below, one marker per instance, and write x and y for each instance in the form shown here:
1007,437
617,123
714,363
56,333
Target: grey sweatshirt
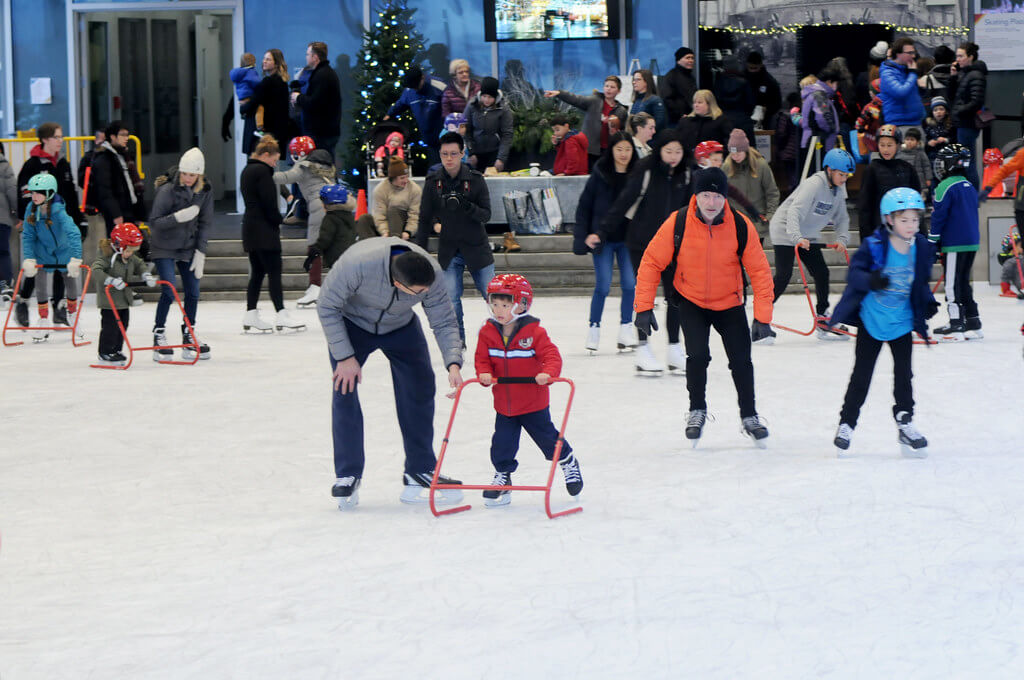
813,206
8,193
360,289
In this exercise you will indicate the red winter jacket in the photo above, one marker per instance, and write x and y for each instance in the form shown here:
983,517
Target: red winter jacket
571,158
529,352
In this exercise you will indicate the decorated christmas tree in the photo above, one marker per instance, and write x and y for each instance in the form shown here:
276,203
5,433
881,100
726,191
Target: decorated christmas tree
390,48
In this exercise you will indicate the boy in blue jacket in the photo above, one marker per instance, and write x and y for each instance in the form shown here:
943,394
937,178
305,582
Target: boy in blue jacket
955,230
888,297
246,78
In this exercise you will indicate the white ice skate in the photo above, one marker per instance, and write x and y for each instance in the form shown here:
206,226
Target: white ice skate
593,338
676,359
252,322
912,443
646,364
842,440
309,298
39,335
416,489
284,322
626,342
346,490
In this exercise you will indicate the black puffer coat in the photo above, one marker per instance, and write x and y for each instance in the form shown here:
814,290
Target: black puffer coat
966,94
667,191
261,223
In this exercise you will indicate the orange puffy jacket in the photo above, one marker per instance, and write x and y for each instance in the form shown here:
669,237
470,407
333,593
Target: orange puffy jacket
708,273
1015,164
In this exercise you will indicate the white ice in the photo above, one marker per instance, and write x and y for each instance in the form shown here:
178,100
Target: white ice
176,522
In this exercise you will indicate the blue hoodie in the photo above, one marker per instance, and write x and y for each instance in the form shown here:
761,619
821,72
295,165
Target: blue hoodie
901,103
871,257
245,79
50,244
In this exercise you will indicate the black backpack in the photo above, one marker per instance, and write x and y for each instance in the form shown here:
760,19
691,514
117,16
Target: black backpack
680,230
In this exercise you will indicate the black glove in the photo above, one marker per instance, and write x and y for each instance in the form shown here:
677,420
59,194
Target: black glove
879,280
983,196
311,254
933,309
645,322
467,205
759,331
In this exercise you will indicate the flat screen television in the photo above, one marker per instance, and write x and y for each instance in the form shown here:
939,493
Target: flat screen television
515,20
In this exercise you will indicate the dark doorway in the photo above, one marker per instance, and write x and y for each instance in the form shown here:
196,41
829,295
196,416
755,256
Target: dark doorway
817,45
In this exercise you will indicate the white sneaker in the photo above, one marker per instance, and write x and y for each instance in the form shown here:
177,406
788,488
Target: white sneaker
626,342
676,358
593,337
254,323
646,364
309,298
284,321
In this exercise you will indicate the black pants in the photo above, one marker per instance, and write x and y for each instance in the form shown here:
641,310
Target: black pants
731,324
815,261
111,339
866,354
671,308
264,263
959,292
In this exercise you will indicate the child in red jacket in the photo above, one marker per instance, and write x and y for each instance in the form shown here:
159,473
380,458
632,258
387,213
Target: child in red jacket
512,344
571,157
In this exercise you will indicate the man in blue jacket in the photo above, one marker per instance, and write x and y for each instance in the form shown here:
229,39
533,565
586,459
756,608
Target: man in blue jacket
423,98
901,103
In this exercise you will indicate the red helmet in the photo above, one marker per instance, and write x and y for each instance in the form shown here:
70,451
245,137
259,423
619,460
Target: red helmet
705,149
125,235
512,284
300,147
993,157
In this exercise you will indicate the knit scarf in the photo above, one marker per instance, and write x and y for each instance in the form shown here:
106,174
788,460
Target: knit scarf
124,169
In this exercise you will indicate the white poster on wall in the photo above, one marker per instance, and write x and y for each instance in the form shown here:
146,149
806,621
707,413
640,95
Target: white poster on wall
998,38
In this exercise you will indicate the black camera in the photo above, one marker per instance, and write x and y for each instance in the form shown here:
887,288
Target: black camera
452,200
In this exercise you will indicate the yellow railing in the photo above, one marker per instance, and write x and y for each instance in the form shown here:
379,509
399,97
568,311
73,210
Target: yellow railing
18,149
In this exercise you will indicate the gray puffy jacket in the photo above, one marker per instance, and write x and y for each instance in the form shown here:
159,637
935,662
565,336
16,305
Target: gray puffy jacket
489,130
169,238
360,289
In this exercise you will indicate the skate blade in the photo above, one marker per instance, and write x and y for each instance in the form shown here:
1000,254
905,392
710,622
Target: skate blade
953,337
676,370
842,453
290,329
625,348
418,495
252,330
591,351
974,335
163,358
765,342
349,503
911,452
759,443
499,502
832,337
649,374
305,305
694,442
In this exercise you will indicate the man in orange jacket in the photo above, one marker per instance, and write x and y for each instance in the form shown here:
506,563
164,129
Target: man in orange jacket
1014,165
708,283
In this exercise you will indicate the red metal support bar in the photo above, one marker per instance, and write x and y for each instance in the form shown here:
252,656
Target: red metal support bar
73,328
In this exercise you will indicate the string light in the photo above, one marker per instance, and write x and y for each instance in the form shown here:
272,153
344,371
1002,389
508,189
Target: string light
784,29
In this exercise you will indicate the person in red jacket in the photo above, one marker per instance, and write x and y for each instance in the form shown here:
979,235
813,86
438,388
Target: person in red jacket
571,157
513,344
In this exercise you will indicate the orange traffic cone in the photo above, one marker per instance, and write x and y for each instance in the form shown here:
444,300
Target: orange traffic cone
361,203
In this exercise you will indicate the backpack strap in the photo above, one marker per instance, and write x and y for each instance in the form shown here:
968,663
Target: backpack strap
680,230
643,192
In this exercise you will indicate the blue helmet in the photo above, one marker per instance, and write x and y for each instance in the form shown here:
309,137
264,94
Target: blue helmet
838,159
455,119
333,194
901,198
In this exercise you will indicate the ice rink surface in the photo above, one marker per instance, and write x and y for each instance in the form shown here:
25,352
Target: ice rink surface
176,522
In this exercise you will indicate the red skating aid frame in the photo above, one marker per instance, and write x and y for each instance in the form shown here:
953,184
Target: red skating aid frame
73,328
434,486
132,350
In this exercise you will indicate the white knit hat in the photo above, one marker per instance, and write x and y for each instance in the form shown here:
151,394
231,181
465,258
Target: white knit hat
192,162
879,51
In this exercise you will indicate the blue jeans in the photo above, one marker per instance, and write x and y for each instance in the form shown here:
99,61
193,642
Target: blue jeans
453,279
604,261
189,282
414,386
969,138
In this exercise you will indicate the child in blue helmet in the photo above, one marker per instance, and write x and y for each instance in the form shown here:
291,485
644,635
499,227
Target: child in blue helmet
888,297
819,201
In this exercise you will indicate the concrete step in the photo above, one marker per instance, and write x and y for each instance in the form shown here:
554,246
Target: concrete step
233,247
240,265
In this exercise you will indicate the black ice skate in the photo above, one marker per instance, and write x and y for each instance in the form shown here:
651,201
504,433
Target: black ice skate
494,498
954,331
21,313
417,489
113,359
972,328
695,421
824,331
754,428
912,442
571,471
163,353
346,490
189,353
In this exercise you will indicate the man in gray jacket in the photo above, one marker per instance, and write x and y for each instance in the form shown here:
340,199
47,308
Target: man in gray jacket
366,304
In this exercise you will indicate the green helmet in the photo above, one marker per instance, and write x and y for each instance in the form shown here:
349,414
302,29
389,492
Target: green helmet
43,183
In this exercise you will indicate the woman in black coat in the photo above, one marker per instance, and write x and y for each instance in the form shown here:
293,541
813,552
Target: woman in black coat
656,188
272,94
705,122
607,180
261,236
966,96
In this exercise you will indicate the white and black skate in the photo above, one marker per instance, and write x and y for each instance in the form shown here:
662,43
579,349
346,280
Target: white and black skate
842,440
695,421
646,364
571,471
972,328
309,298
42,334
163,353
495,498
417,489
189,353
912,442
114,359
823,331
252,322
346,490
626,342
676,359
954,331
285,323
753,427
21,313
593,338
